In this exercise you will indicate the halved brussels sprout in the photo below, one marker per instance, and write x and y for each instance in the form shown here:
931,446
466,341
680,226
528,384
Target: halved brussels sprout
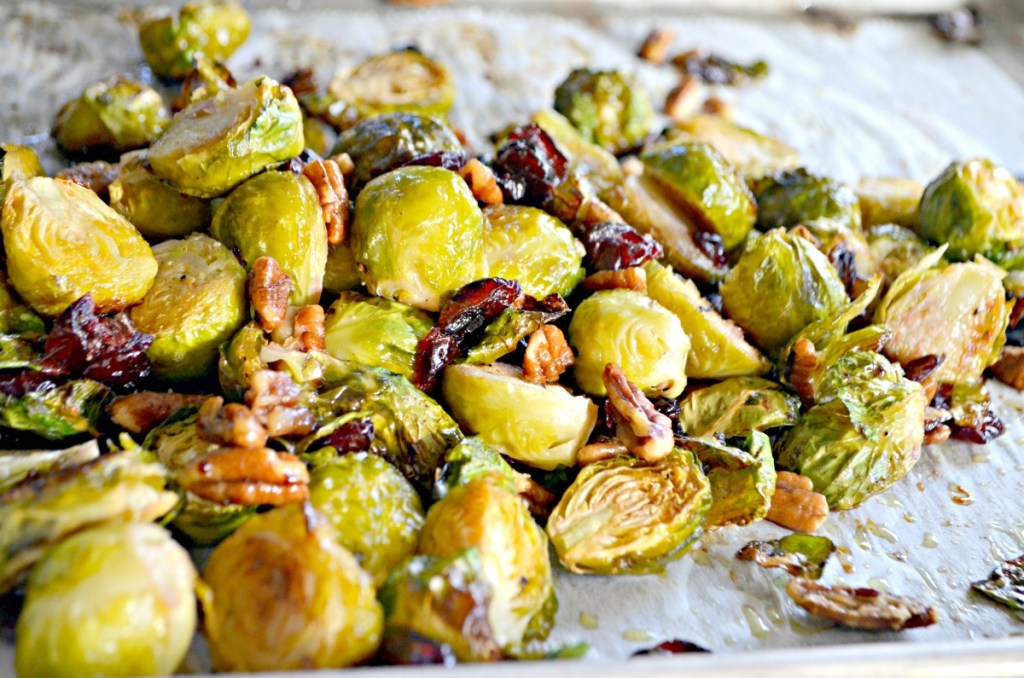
586,158
215,28
18,162
405,80
111,117
844,246
736,407
801,555
895,249
16,465
114,601
626,516
705,185
217,143
538,424
342,272
533,248
374,510
63,242
485,515
781,284
753,155
207,77
19,324
277,214
742,481
888,200
505,333
418,234
469,460
153,206
240,359
72,409
195,305
718,348
629,329
283,595
799,197
607,107
375,331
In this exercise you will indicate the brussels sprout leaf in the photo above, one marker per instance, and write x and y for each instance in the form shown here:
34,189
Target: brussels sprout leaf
801,555
1005,585
735,407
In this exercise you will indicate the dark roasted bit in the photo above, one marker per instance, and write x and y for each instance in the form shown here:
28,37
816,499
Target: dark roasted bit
715,69
1006,584
547,356
796,505
269,288
861,608
327,178
481,182
529,166
656,45
140,412
922,370
231,425
301,82
96,176
612,245
644,431
961,26
801,555
1009,369
250,477
449,160
671,647
973,420
634,278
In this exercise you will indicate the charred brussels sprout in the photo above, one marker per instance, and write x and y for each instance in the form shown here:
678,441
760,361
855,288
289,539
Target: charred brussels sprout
63,242
736,407
215,28
533,248
753,155
110,117
485,515
631,330
72,409
625,515
742,481
886,200
977,207
195,305
284,595
405,80
217,143
538,424
277,214
799,197
153,206
375,331
419,234
707,187
113,601
607,108
374,510
781,284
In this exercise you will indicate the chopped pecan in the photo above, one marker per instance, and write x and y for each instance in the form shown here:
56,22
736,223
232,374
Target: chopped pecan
96,176
538,498
140,412
656,45
594,211
345,164
326,176
308,328
250,477
644,430
801,372
599,451
633,278
922,370
936,430
273,399
683,100
1009,369
720,107
860,608
481,182
547,356
795,504
231,425
269,289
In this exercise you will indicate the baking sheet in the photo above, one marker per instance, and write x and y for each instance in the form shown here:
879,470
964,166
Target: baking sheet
884,98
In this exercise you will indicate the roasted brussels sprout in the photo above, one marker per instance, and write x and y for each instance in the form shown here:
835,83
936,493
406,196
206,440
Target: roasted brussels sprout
215,28
207,78
886,200
240,359
848,250
374,510
405,80
976,207
16,465
736,407
533,248
742,481
72,409
599,166
418,234
342,272
895,249
284,595
801,555
706,186
753,155
635,332
504,334
111,117
485,515
217,143
195,305
154,207
469,460
375,331
277,214
17,163
607,107
115,600
781,284
625,515
538,424
17,321
63,242
799,197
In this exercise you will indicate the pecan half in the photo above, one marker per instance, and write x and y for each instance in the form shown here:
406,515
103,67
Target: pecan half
538,498
1009,369
231,425
273,399
795,504
683,101
547,356
644,430
633,278
345,164
802,369
250,477
96,176
269,289
599,451
140,412
481,182
308,328
656,44
329,181
594,211
860,608
936,430
720,107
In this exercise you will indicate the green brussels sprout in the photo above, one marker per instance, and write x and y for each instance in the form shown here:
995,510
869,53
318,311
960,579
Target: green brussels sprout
17,163
215,28
836,238
736,407
504,334
957,311
895,249
195,305
284,595
114,488
781,284
706,186
469,460
629,329
864,433
753,155
115,600
1005,584
72,409
111,117
626,516
418,235
278,214
374,510
586,158
155,208
445,600
217,143
240,359
607,107
16,465
718,348
888,200
375,331
801,555
799,197
385,142
17,322
404,80
206,78
742,481
483,514
538,424
63,242
976,207
318,135
342,273
532,247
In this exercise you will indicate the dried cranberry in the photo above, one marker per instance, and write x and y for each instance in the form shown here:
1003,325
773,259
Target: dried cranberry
353,436
529,166
671,647
435,351
842,260
919,369
409,648
989,428
612,246
711,245
670,408
302,81
18,383
449,160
